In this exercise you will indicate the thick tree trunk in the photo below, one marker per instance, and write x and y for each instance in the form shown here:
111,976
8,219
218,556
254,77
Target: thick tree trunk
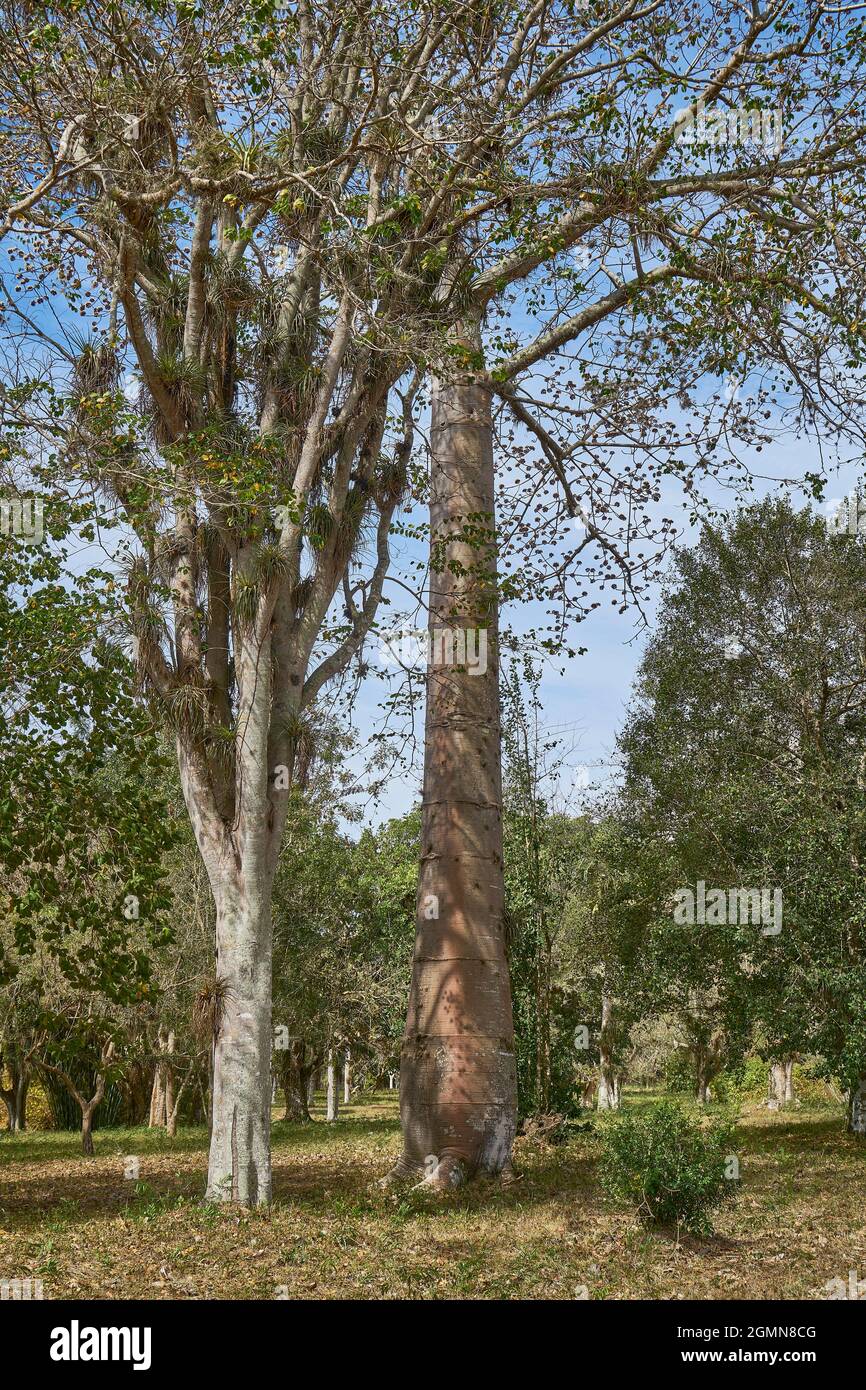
21,1089
15,1097
239,1167
157,1100
608,1084
458,1089
333,1093
781,1083
857,1109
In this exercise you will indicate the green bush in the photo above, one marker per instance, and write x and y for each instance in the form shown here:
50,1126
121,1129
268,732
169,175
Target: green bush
679,1073
672,1168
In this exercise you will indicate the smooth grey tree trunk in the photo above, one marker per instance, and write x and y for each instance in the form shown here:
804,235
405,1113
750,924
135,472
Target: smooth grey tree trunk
781,1083
239,1166
857,1109
347,1077
333,1096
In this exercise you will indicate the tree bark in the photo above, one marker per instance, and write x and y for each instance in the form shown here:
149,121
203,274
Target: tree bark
15,1096
333,1093
21,1090
158,1098
239,1167
781,1083
347,1077
857,1109
458,1088
169,1082
87,1129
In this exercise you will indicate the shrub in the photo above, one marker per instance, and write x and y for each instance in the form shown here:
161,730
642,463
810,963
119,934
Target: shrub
671,1167
679,1074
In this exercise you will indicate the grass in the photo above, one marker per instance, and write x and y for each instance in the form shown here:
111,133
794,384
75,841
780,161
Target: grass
87,1231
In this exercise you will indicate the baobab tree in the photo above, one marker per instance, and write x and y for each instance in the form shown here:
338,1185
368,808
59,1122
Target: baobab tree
276,224
700,256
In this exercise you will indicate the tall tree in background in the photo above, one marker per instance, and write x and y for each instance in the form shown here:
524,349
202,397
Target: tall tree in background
745,749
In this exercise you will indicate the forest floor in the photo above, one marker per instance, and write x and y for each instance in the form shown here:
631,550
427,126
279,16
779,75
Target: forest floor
86,1231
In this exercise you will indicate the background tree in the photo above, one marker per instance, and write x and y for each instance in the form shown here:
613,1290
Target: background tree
745,748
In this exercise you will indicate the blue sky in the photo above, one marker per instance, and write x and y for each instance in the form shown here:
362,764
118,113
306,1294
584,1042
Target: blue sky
586,705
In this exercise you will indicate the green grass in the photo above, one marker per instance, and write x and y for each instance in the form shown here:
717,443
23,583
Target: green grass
87,1231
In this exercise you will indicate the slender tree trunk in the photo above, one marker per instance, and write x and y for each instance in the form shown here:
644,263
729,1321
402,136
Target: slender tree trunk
347,1077
857,1109
21,1089
708,1053
87,1129
789,1081
239,1167
702,1081
169,1080
172,1114
608,1086
333,1093
157,1100
458,1088
157,1094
